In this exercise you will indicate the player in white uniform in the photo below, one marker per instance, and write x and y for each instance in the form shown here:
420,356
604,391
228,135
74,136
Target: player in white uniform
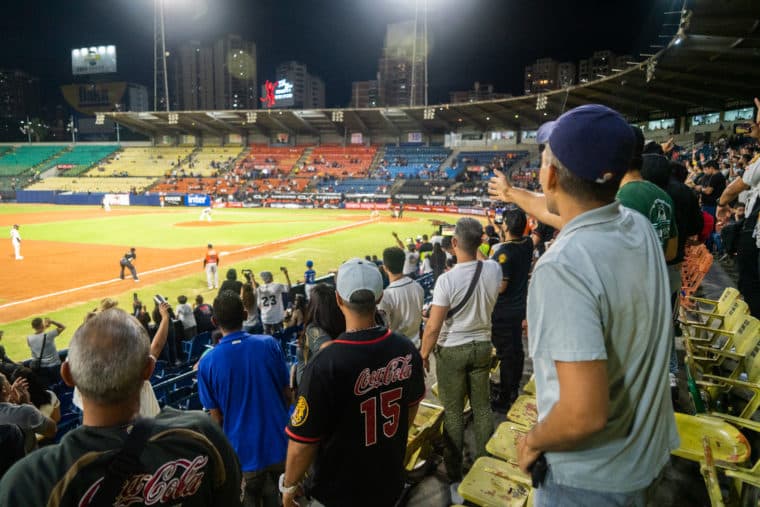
205,214
106,204
16,240
269,301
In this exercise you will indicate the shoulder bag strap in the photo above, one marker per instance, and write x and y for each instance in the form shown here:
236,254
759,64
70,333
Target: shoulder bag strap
125,464
42,350
470,290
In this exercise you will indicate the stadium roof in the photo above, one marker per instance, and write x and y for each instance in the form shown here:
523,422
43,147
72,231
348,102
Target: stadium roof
711,64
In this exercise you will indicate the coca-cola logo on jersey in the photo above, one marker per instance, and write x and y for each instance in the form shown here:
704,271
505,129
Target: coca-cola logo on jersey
172,481
398,369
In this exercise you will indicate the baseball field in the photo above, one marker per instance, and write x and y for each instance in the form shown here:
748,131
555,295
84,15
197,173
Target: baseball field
71,254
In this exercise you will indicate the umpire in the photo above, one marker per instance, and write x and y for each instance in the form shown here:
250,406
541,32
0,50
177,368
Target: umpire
126,262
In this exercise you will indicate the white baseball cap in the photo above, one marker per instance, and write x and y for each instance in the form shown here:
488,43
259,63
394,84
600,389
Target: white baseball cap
358,274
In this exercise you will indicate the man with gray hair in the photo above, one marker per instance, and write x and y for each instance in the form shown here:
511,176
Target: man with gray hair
459,332
182,458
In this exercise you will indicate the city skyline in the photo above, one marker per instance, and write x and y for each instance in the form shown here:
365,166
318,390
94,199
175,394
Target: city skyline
340,41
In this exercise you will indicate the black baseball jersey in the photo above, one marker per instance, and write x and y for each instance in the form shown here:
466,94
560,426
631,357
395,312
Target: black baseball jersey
188,461
515,258
129,257
354,401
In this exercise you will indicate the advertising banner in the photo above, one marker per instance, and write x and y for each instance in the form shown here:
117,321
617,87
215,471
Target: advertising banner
199,200
173,200
93,60
117,199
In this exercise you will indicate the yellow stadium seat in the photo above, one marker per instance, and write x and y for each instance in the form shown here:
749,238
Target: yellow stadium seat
488,484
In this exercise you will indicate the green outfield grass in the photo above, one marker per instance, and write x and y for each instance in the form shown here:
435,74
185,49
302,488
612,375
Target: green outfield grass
155,229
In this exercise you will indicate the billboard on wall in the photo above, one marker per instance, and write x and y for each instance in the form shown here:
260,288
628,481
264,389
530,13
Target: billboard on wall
93,60
197,200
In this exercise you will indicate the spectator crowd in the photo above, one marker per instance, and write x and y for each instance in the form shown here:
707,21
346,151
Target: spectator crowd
603,241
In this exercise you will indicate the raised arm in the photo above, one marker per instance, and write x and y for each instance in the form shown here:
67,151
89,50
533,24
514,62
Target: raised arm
531,203
162,333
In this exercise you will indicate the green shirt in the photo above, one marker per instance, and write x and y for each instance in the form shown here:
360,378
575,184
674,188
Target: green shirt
655,204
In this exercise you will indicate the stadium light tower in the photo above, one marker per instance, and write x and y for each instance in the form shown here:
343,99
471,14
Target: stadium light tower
160,76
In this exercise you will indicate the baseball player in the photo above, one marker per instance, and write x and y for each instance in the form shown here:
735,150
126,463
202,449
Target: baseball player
126,262
211,265
16,240
309,279
106,203
205,214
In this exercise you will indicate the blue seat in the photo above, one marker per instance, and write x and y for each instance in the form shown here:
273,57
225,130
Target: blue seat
67,423
193,348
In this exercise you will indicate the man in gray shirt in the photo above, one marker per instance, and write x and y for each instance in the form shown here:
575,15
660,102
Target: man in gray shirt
42,346
606,424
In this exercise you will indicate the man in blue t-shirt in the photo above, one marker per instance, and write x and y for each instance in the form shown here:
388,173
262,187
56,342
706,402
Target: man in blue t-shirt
243,382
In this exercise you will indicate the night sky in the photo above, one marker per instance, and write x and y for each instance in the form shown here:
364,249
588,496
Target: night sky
339,40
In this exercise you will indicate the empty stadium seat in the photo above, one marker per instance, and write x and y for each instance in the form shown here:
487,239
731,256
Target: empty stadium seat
23,158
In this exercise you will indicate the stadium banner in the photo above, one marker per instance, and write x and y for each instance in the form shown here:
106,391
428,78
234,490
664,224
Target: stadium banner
197,200
117,199
357,138
290,205
472,211
173,200
367,205
93,60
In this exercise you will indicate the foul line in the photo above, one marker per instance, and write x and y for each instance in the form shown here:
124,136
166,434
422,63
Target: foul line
307,235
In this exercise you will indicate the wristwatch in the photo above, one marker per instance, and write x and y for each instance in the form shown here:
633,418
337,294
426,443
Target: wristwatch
289,489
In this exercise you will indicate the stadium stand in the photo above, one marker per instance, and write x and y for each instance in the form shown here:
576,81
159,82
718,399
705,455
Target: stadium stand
335,160
207,161
88,184
23,158
263,160
412,161
483,161
143,162
80,159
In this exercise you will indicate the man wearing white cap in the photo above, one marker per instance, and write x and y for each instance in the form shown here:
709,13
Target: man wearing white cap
356,401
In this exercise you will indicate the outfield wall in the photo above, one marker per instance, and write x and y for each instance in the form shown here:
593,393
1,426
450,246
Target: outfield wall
202,200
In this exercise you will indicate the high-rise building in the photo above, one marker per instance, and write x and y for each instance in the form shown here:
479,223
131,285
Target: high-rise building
401,73
364,94
235,73
137,98
316,95
19,94
541,76
218,76
196,77
308,92
602,63
565,74
477,93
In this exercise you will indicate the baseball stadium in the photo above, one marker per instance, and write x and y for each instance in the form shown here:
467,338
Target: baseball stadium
558,358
